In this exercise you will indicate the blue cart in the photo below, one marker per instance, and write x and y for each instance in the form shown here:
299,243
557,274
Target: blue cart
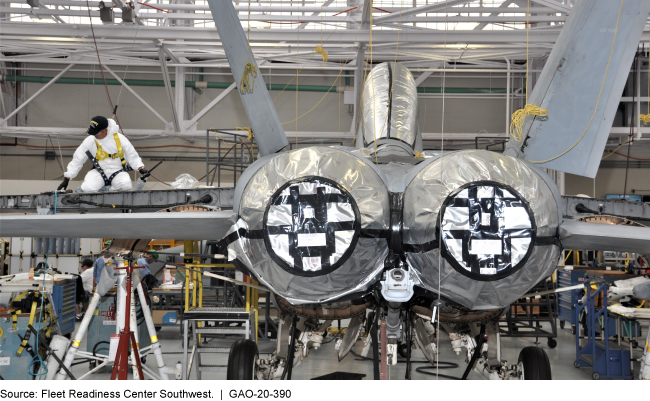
607,359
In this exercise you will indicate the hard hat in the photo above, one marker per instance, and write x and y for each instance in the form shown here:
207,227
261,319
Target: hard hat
153,253
108,242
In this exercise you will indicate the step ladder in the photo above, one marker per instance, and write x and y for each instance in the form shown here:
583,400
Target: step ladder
216,321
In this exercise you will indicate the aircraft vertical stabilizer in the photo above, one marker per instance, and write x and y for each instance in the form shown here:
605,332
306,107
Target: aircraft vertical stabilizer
268,131
570,84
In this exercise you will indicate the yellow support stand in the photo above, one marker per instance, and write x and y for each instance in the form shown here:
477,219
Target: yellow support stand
187,248
194,263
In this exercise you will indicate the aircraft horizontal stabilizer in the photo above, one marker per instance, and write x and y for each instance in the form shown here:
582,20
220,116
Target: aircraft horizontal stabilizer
190,225
581,86
604,237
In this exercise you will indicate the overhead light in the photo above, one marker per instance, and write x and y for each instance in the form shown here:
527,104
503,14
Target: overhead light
106,13
128,14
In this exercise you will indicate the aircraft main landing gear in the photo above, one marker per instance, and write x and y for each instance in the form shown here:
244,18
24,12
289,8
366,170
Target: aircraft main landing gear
242,360
534,364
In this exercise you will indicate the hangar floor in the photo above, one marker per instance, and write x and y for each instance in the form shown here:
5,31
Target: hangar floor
324,360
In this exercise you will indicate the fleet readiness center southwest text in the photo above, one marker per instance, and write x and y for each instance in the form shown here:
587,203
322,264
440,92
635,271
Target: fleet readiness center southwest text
94,394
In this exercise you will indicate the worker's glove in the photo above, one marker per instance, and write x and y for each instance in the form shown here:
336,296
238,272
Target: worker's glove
64,184
143,171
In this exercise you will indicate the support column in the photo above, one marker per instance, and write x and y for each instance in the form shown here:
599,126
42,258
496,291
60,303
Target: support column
179,94
21,97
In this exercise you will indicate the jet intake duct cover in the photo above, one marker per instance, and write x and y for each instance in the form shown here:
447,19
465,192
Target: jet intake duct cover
390,104
313,225
490,220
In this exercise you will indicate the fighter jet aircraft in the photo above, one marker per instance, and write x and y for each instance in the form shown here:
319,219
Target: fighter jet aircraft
424,240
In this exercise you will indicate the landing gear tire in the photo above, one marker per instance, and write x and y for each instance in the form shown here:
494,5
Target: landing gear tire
576,365
534,364
551,343
242,360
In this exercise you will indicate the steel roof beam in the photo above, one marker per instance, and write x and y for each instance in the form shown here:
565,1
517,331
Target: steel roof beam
431,8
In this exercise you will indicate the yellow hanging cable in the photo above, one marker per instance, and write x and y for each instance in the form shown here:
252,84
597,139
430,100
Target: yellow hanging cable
339,113
331,87
363,90
338,82
250,132
245,83
329,90
599,94
319,48
645,118
297,77
372,84
250,135
530,109
613,151
519,117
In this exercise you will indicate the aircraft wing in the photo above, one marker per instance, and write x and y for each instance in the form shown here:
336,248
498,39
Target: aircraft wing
604,237
268,131
190,225
572,138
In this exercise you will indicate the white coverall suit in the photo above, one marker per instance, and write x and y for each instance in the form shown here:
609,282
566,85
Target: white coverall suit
93,182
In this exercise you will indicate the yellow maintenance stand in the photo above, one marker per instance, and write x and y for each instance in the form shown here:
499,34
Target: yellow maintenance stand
212,321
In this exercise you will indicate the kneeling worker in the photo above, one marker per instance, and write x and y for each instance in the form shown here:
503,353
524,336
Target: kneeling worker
111,154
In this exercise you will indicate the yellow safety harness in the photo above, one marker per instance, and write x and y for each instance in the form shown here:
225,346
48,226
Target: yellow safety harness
36,300
102,155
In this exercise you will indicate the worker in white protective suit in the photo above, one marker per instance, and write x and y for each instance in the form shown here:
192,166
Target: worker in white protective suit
112,156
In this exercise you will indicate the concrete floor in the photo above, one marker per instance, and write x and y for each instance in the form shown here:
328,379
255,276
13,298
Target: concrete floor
324,360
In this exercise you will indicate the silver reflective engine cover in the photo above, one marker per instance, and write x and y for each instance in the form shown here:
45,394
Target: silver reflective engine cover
389,104
498,231
310,225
